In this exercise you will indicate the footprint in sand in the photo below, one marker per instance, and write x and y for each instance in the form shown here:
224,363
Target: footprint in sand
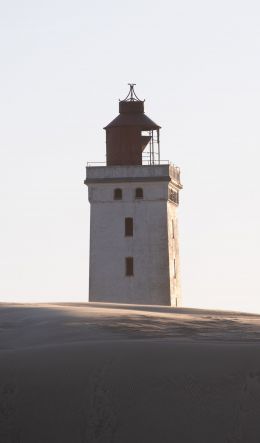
246,424
8,430
98,419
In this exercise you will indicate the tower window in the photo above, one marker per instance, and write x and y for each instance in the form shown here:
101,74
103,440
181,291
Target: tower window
172,228
129,227
174,268
118,194
139,193
129,266
174,196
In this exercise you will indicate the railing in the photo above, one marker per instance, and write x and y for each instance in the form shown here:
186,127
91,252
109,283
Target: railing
89,164
144,163
155,162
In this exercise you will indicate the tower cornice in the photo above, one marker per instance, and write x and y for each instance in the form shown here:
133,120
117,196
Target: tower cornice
126,174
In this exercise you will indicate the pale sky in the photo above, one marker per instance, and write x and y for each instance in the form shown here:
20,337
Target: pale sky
63,67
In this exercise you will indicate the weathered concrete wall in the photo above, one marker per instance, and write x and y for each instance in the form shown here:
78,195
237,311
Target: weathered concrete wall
152,246
174,257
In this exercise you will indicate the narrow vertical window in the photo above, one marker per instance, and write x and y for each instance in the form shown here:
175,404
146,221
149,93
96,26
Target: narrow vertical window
172,228
174,268
118,194
129,266
129,227
139,193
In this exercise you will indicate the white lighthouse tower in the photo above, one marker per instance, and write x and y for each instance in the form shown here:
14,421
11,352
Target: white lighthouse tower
134,247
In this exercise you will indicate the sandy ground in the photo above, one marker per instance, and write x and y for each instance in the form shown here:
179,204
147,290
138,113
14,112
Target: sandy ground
83,373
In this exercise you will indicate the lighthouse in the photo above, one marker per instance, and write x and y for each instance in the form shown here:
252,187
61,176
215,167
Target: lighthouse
134,196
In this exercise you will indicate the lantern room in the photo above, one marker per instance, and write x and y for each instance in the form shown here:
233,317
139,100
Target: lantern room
132,138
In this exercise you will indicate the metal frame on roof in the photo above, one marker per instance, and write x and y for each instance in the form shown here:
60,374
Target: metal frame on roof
131,96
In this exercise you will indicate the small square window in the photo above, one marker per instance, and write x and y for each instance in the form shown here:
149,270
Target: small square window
118,194
139,193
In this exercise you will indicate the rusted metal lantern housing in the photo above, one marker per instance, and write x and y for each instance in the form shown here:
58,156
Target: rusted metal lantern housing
130,133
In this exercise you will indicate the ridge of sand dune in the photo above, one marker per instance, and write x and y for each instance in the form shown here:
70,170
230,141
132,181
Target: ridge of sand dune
83,373
27,325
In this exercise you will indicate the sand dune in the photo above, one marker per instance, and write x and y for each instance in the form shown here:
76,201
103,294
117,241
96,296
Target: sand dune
82,373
